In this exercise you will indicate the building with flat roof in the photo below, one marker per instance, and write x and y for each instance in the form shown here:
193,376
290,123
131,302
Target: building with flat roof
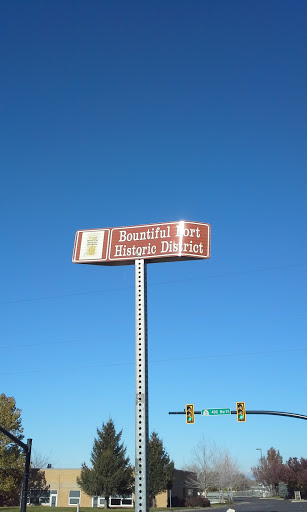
64,492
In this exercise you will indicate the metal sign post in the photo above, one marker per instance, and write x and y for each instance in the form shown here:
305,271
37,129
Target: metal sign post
139,245
141,389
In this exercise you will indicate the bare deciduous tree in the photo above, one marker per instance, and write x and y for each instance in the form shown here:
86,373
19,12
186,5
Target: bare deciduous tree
227,472
39,461
38,487
211,468
203,467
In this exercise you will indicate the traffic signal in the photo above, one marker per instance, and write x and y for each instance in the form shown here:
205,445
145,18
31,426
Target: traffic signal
189,413
241,412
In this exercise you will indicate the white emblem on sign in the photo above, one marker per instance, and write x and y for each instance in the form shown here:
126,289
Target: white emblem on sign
91,245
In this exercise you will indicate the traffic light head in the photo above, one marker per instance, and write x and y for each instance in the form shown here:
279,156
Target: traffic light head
241,413
189,413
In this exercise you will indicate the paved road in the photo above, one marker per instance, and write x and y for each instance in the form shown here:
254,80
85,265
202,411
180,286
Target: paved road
263,505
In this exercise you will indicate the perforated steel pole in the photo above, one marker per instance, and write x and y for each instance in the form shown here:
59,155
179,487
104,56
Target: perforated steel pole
141,390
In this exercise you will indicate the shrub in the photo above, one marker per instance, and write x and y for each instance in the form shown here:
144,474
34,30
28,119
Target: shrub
176,502
197,501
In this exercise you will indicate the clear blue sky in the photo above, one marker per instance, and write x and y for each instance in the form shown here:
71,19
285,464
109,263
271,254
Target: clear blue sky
130,112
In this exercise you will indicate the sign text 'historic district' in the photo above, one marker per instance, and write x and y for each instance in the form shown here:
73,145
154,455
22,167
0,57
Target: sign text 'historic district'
168,241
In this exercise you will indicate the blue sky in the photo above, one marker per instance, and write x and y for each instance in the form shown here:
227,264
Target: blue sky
126,113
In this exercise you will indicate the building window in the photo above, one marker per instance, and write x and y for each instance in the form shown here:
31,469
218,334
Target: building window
114,501
38,497
127,501
74,497
53,498
119,501
98,501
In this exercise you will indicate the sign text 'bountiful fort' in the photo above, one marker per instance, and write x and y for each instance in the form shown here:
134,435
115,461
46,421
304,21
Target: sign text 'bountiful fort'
168,241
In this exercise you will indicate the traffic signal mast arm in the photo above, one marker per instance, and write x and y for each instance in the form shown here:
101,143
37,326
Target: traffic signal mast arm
276,413
273,413
15,439
27,450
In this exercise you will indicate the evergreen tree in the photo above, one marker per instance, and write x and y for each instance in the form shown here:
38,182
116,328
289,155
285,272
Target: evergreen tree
11,455
111,473
161,467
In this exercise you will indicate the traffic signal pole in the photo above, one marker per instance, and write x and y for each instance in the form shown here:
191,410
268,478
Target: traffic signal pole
273,413
24,495
27,451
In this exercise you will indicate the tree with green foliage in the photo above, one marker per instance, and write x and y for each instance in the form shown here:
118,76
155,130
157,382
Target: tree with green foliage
111,473
11,455
161,467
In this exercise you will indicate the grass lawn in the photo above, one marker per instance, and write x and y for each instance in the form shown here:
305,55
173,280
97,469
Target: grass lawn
89,509
82,509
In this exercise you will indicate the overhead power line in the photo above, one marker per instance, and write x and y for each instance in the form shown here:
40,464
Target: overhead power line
38,344
167,360
159,283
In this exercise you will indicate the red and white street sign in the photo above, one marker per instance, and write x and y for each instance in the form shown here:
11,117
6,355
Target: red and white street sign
168,241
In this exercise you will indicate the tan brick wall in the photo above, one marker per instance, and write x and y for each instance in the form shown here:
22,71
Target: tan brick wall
161,499
65,480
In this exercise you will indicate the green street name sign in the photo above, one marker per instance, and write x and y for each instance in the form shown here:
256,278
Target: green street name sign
214,412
